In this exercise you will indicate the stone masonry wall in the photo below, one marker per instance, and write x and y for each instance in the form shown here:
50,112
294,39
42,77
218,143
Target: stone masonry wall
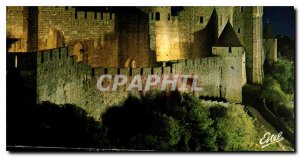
247,22
60,79
97,32
113,40
14,28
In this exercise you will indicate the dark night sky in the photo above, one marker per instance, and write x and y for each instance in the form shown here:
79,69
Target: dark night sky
282,20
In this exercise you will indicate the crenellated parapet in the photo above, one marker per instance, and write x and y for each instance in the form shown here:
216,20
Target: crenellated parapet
61,79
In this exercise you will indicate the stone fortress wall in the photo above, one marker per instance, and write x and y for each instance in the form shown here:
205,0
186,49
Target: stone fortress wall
72,48
137,36
61,79
60,26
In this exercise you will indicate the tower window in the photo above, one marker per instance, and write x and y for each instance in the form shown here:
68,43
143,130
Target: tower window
110,16
239,30
85,15
201,19
101,16
230,50
169,16
242,9
157,16
152,16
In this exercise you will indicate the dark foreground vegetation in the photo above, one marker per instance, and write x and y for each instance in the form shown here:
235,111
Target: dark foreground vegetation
157,121
279,88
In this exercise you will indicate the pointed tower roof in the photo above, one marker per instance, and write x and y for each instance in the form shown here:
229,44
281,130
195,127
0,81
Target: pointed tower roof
213,20
214,14
228,38
212,27
268,32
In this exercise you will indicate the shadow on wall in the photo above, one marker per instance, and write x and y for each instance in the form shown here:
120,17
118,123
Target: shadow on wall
203,39
51,125
46,124
100,52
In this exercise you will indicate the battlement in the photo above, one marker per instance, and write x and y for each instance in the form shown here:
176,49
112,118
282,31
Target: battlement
61,56
133,40
169,17
64,11
95,16
62,79
14,10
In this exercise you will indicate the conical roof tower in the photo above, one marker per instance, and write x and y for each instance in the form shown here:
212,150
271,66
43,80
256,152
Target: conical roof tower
228,38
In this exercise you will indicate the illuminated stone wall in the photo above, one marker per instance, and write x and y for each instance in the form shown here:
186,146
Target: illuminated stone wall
140,38
76,82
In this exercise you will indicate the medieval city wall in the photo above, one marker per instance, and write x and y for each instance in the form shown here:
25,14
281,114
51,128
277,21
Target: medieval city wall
122,39
60,79
96,32
138,39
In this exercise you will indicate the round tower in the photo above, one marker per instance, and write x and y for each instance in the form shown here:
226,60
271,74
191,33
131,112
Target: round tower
257,48
270,44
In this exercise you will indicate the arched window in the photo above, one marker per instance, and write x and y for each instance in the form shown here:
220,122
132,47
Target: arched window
157,16
239,30
242,9
169,17
201,19
230,50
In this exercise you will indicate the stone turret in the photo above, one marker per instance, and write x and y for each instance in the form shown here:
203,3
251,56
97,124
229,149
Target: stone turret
270,44
229,45
257,47
247,22
228,38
